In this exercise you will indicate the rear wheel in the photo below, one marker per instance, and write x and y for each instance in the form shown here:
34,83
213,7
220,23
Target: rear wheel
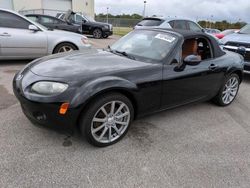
97,33
64,47
107,119
229,91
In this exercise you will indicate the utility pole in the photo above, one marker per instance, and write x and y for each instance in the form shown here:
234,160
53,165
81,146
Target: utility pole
211,21
107,14
144,10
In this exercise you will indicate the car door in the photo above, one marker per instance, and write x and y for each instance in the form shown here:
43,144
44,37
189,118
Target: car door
184,83
17,40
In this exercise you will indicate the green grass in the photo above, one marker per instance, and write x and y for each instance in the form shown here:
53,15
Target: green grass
121,31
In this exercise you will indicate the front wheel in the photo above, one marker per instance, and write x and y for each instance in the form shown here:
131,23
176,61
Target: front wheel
107,119
64,47
229,91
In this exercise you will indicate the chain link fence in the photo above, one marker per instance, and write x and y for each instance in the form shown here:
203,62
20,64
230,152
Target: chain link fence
119,22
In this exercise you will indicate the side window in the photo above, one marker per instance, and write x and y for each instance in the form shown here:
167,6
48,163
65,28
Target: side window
171,23
78,18
56,21
180,24
47,20
199,47
33,18
13,21
193,26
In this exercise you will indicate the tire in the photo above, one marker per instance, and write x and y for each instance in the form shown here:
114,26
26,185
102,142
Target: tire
103,130
97,33
229,88
64,47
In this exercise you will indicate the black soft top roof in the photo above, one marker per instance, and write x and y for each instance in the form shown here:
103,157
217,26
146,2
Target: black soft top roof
217,51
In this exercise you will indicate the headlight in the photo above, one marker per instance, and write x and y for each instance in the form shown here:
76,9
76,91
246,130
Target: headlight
106,26
85,40
48,88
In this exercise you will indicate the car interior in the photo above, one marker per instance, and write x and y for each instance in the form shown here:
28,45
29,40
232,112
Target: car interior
199,47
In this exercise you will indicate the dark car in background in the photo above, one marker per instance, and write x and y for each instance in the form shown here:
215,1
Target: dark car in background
89,25
148,70
239,42
173,23
55,23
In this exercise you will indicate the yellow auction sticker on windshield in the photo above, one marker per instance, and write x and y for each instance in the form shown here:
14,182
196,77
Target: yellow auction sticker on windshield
165,37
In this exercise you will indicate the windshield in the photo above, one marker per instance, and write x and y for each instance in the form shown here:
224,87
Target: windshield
150,22
146,45
245,30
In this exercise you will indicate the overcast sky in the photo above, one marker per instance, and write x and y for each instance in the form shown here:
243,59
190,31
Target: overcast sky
231,10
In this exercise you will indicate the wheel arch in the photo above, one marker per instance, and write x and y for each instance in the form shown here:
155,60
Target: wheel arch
96,88
64,42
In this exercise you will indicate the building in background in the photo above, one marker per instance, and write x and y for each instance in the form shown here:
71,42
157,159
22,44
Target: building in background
50,7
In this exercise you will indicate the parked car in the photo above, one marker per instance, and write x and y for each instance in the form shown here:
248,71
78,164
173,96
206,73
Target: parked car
212,31
240,43
55,23
146,71
174,23
225,33
22,38
89,25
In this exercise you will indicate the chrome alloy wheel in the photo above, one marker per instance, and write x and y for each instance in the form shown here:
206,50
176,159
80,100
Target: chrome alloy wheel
230,90
110,122
65,49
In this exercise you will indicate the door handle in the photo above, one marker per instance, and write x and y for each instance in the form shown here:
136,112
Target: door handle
5,35
213,67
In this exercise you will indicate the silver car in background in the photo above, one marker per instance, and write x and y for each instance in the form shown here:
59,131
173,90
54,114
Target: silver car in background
21,38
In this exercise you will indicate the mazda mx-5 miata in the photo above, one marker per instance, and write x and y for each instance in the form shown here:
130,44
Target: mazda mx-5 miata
100,92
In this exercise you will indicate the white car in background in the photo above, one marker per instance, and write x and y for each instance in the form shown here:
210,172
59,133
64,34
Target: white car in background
21,38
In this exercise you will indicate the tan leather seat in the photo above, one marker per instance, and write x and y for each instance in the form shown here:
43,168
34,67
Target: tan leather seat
190,47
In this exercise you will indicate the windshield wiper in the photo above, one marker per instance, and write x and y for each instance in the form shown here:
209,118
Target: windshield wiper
121,53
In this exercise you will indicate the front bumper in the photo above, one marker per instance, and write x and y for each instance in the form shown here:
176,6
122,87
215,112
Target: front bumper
247,67
108,33
47,114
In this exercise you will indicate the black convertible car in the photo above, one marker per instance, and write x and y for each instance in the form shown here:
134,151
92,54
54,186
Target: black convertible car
148,70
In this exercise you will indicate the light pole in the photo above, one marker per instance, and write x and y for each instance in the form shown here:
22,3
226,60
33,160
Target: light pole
144,10
211,21
107,14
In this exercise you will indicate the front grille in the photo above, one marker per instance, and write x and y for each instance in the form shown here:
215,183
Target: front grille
238,44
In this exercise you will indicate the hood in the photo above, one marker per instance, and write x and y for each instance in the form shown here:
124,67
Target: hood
236,37
86,64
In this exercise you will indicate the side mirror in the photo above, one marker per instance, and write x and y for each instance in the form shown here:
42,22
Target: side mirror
192,60
84,21
33,28
203,30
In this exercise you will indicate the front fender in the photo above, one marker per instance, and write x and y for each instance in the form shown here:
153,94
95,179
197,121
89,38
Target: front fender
93,87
